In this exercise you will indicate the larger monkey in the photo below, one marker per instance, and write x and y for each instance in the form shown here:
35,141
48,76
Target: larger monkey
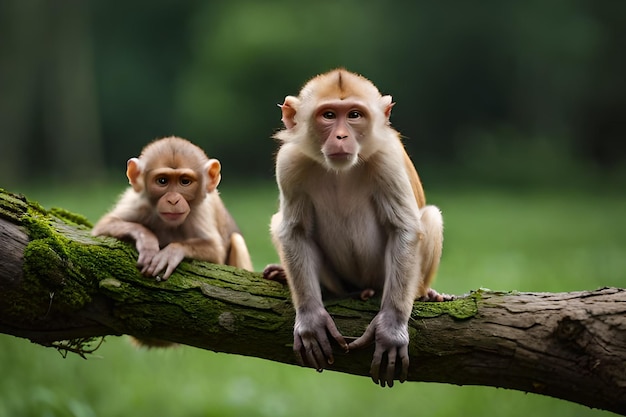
172,210
352,217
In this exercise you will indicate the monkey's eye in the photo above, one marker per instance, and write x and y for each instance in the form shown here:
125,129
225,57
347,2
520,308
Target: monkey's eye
329,115
161,180
355,114
185,181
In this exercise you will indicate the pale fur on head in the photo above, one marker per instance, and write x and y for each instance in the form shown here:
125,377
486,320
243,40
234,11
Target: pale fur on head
338,84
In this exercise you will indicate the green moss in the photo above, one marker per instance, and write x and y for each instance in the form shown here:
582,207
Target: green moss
12,206
459,309
47,266
42,261
352,307
98,263
57,267
70,218
38,227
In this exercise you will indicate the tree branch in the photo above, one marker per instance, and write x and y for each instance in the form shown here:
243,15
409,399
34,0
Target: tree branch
61,287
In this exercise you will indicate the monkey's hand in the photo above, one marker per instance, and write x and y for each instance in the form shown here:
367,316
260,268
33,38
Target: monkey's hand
391,335
147,245
166,260
310,338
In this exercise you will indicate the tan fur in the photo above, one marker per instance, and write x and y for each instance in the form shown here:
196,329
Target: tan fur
416,184
353,223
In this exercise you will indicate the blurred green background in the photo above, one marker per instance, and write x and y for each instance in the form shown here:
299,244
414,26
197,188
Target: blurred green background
514,113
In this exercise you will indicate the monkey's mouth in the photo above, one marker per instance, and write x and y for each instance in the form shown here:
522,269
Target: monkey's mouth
172,217
340,156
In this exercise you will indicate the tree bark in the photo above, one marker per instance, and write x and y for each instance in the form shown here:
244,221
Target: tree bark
61,287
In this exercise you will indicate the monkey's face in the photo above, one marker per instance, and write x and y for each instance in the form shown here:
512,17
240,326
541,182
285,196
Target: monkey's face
173,209
173,190
340,126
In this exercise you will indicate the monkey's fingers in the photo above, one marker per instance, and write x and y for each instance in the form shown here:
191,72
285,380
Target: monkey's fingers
275,272
165,261
154,268
157,265
332,329
404,362
308,353
169,270
384,367
297,349
390,372
323,343
375,367
433,295
145,259
315,355
145,269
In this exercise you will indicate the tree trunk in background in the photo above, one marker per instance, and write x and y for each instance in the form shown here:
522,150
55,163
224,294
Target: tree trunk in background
61,287
48,99
71,117
21,31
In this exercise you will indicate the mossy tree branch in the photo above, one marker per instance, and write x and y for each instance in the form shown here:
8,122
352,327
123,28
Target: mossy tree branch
59,284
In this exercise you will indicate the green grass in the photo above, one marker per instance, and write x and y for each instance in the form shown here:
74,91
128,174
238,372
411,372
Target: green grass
533,241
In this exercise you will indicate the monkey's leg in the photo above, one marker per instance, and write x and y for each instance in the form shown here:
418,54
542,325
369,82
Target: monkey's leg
239,255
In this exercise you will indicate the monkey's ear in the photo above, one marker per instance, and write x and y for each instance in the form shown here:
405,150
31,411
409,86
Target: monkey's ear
288,109
387,103
212,169
134,168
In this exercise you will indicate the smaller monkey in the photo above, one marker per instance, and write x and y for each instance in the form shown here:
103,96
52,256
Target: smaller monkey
172,210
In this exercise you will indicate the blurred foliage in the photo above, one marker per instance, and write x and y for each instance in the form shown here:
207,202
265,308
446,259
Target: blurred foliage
490,92
486,89
511,93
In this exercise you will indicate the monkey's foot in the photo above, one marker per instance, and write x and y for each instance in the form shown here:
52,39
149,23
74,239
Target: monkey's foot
275,272
366,294
433,295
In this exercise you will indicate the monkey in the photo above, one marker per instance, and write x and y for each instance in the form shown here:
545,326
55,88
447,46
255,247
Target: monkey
172,210
352,216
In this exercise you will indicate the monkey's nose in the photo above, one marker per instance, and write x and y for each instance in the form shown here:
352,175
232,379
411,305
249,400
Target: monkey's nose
342,137
173,201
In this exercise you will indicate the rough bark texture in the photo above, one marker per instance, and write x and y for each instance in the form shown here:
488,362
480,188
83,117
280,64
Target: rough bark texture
61,287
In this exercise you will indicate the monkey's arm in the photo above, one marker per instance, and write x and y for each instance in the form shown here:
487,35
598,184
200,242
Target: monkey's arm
389,329
302,261
126,221
146,242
